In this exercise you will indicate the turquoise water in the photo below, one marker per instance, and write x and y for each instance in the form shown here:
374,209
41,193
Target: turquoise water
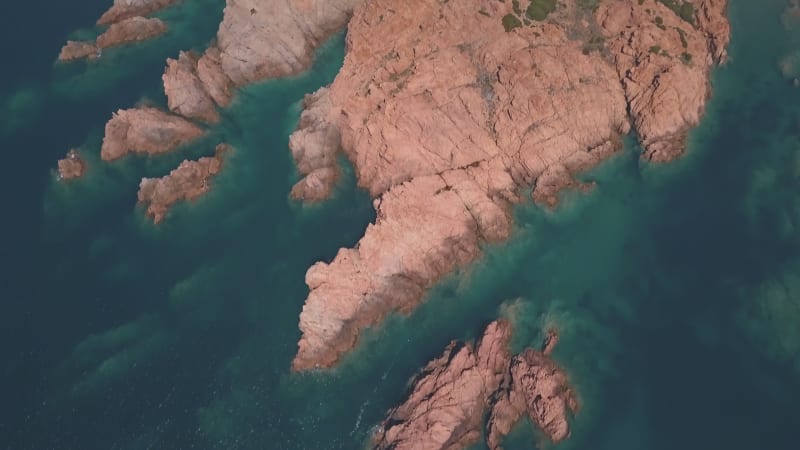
675,287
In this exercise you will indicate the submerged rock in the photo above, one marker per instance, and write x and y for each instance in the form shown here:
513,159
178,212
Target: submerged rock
445,122
450,395
72,166
145,130
188,181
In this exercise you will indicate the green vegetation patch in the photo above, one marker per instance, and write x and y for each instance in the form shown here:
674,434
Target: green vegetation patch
540,9
681,8
510,21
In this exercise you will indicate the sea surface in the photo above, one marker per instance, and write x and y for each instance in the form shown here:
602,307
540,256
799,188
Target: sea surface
676,288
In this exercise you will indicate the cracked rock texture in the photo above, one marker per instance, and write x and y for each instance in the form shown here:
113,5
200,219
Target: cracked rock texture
446,406
449,119
188,181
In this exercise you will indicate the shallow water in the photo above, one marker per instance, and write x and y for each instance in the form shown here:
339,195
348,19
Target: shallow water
675,288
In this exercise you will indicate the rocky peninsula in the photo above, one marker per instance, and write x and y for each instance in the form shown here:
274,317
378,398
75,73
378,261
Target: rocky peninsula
449,397
126,23
190,180
467,104
446,123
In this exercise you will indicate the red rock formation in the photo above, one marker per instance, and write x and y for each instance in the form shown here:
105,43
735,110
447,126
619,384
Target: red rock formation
127,24
663,63
218,86
185,90
125,9
448,398
145,130
188,182
259,40
130,30
446,404
72,166
535,386
314,145
449,118
74,50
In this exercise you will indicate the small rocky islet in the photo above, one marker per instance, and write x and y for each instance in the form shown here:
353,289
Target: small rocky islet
445,123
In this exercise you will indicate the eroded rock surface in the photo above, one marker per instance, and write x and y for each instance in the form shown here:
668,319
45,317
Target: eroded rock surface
187,182
448,119
72,166
145,130
449,397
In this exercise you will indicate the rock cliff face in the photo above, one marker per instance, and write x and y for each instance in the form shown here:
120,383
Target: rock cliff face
449,397
446,121
145,130
189,181
72,166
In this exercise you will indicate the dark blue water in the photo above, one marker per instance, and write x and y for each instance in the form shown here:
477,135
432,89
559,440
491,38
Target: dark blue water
676,288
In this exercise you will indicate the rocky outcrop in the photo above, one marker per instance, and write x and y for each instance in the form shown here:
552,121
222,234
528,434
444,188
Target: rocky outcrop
126,24
185,90
446,406
125,9
145,130
536,386
259,40
189,181
72,166
449,119
663,62
74,50
130,30
315,145
256,40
